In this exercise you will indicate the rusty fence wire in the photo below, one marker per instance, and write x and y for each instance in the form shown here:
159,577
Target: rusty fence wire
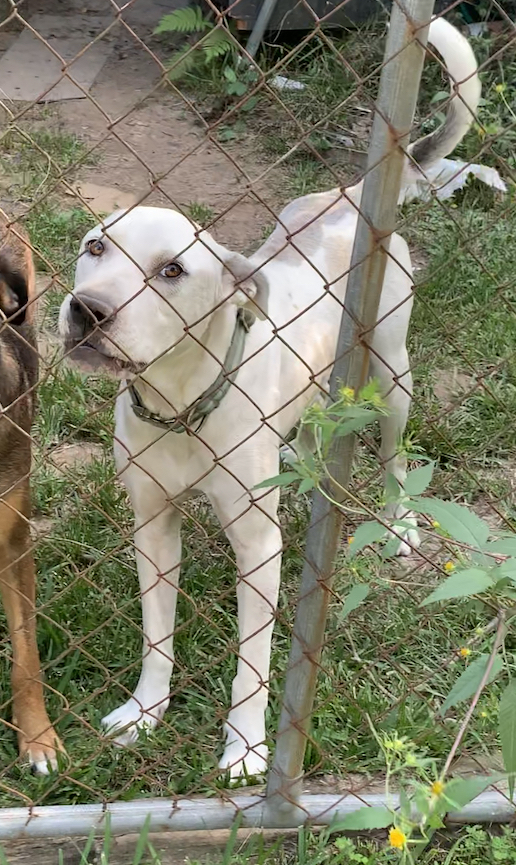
157,113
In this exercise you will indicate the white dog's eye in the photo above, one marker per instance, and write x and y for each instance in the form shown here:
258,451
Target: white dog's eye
95,247
172,270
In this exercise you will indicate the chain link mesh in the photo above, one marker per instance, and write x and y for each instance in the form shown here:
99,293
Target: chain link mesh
228,144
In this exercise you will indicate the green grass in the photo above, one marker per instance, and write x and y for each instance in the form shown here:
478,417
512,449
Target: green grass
389,660
472,845
201,213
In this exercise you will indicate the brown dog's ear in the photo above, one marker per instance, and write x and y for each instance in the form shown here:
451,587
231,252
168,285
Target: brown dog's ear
9,300
247,287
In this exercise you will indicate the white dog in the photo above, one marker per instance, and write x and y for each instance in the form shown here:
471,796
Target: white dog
165,308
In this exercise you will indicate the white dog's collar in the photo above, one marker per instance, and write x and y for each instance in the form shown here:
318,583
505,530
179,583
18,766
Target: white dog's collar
198,411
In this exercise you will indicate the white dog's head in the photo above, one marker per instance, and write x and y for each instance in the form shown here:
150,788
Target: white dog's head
144,278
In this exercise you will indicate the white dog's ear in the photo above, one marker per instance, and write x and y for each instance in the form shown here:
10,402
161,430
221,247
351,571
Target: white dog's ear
252,288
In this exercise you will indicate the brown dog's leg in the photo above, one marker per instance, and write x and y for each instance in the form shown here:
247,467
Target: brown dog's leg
36,737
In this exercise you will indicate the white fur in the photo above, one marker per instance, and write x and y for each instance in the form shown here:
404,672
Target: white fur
187,325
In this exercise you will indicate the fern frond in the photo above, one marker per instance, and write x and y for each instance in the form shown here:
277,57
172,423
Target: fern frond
183,61
217,43
187,20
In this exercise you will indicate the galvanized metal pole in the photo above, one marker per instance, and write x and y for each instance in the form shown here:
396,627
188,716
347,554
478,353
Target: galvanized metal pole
399,86
190,815
260,26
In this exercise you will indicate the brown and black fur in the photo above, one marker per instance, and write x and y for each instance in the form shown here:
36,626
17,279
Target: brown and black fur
18,376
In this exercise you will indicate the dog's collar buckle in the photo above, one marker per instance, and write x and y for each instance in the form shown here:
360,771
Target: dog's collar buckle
198,411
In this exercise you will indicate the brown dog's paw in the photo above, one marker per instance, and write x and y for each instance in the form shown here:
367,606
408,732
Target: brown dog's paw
41,752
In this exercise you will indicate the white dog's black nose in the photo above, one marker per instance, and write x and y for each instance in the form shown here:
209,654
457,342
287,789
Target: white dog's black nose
87,313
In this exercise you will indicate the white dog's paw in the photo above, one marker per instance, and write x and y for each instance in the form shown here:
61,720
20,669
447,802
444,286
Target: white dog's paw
124,724
243,763
411,540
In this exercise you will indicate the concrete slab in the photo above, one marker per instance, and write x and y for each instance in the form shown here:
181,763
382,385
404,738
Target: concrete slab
30,68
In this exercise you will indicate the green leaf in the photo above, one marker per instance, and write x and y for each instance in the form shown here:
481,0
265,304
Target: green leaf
306,485
226,133
365,534
236,88
507,730
391,547
85,855
354,598
462,584
419,479
217,43
142,841
183,61
461,523
506,569
187,20
360,420
230,74
467,684
460,791
251,103
439,96
281,480
504,546
375,817
392,488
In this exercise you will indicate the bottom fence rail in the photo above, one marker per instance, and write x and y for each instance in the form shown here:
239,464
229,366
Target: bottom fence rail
163,815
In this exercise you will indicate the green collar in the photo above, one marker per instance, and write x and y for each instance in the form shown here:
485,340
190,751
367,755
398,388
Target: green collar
198,411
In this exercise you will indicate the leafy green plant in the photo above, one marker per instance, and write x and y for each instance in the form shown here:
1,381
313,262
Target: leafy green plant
483,567
424,799
216,50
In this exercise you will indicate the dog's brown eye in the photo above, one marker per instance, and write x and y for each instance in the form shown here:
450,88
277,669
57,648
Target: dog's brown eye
172,270
95,247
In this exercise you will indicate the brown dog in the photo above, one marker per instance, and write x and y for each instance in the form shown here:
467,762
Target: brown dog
18,375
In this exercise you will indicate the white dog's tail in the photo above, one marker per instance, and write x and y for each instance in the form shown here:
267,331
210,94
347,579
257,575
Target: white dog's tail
465,85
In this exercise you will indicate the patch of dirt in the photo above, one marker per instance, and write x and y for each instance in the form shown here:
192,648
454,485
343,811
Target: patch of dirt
76,454
49,345
419,259
151,143
449,384
40,527
103,199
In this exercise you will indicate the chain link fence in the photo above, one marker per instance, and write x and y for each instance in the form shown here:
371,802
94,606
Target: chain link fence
152,104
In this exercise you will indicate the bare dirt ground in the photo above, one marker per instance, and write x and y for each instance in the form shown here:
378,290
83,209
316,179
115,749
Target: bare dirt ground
149,142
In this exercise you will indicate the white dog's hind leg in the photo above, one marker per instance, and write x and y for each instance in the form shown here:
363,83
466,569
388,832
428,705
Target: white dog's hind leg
397,398
158,553
397,395
256,539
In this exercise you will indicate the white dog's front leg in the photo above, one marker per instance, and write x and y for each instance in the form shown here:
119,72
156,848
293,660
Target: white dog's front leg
256,540
158,553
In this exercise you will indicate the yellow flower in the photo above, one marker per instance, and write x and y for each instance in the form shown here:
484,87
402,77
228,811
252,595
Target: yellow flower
347,393
397,838
464,652
449,566
437,788
483,714
501,88
351,539
435,524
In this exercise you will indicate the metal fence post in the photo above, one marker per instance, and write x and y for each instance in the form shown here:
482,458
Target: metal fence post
399,86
